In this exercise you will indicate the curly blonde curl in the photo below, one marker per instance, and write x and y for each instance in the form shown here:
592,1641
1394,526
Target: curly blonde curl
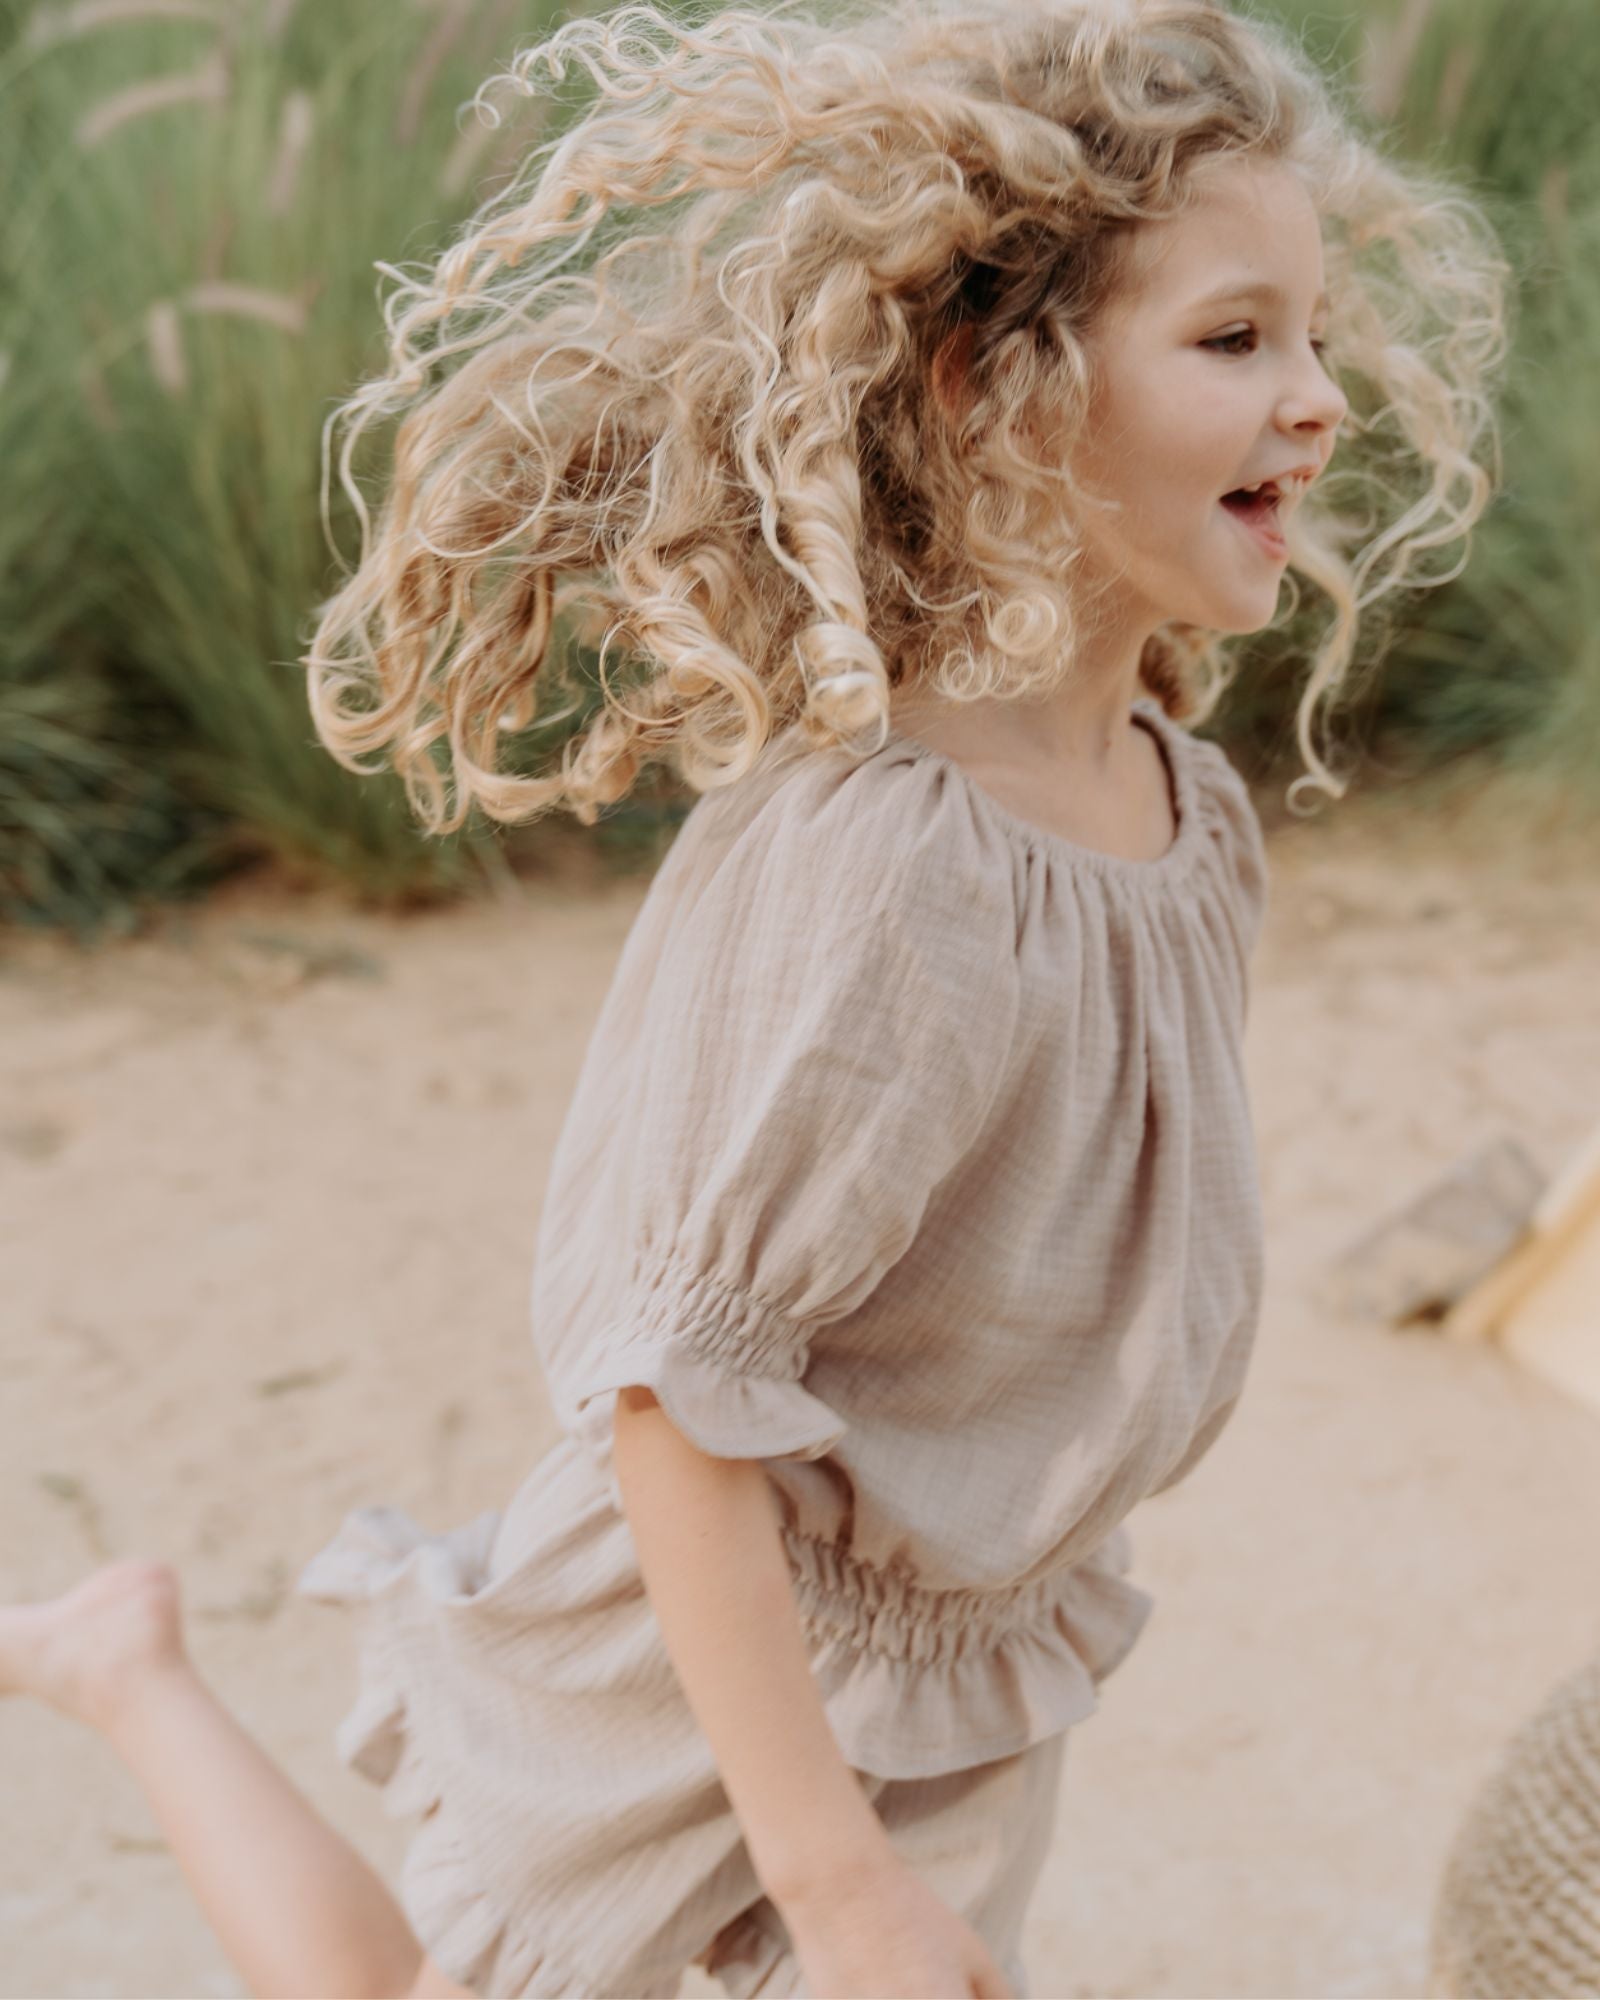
714,438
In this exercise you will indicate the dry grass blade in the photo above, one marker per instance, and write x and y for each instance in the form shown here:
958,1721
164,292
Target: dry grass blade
1386,59
471,144
494,26
446,33
214,253
163,339
68,24
275,17
294,136
248,302
1458,67
206,85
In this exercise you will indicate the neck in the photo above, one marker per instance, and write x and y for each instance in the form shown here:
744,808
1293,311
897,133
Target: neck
1083,724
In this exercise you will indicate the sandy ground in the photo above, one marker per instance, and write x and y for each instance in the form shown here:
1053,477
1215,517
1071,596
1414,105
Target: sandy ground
269,1178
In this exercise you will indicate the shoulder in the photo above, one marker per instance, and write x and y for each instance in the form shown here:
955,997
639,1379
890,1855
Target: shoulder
1234,827
836,935
849,840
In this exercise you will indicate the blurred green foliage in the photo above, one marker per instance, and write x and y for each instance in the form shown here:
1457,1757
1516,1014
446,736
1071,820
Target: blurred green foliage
163,542
186,285
1501,665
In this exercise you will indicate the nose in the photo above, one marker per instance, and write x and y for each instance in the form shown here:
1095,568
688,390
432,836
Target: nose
1313,401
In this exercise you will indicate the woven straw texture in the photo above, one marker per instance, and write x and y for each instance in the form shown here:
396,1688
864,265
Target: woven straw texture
1518,1910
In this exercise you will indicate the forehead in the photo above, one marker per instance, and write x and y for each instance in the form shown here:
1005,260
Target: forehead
1249,222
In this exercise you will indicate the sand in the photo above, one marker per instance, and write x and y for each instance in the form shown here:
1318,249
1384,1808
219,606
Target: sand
269,1177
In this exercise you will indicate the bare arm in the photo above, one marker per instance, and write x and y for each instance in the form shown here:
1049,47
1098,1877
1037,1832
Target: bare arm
706,1531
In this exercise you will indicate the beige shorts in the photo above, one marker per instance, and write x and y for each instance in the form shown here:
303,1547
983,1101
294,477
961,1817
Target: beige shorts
573,1837
978,1838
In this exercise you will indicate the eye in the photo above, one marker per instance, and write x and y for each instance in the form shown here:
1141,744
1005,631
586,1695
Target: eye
1223,342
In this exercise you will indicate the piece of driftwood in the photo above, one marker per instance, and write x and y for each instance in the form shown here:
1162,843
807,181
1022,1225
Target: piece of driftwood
1542,1300
1491,1250
1412,1265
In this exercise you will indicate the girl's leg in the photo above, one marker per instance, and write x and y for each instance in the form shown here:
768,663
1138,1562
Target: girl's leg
296,1908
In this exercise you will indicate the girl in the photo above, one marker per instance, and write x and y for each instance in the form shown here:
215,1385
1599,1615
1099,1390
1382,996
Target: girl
977,376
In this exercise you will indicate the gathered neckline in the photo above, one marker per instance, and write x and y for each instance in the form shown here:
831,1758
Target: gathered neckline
1097,860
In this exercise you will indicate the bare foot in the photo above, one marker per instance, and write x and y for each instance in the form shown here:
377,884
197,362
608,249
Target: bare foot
85,1651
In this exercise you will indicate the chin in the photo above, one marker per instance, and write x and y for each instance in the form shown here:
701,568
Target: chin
1247,608
1238,618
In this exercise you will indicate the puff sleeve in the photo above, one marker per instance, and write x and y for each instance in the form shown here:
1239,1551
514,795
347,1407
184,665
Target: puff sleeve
1238,860
816,1017
1248,872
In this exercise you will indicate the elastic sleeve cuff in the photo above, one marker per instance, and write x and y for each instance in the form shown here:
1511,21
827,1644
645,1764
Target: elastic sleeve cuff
724,1366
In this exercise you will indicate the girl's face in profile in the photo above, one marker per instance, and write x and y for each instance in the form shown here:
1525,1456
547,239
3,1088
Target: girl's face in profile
1208,379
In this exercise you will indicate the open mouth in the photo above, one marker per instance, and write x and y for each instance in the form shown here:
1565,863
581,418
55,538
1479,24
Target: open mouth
1257,510
1256,506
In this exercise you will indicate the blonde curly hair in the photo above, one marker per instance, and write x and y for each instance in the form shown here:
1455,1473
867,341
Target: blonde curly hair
715,438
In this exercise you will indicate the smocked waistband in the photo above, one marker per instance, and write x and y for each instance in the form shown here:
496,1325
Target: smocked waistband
885,1611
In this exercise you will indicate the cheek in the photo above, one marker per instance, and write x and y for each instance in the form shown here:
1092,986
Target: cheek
1178,458
1164,448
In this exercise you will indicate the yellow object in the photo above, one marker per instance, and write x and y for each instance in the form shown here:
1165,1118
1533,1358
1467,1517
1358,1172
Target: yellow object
1542,1300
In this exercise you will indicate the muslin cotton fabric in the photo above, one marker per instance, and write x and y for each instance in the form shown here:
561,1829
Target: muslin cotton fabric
978,1838
912,1154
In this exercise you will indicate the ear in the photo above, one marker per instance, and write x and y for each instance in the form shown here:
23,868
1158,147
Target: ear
952,363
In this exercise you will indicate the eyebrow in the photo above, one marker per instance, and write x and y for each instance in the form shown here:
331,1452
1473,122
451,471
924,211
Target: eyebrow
1273,294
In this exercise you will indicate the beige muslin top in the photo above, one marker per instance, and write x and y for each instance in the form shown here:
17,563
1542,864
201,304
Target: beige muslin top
912,1155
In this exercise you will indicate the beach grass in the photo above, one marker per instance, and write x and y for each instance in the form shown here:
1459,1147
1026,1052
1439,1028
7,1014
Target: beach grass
202,191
